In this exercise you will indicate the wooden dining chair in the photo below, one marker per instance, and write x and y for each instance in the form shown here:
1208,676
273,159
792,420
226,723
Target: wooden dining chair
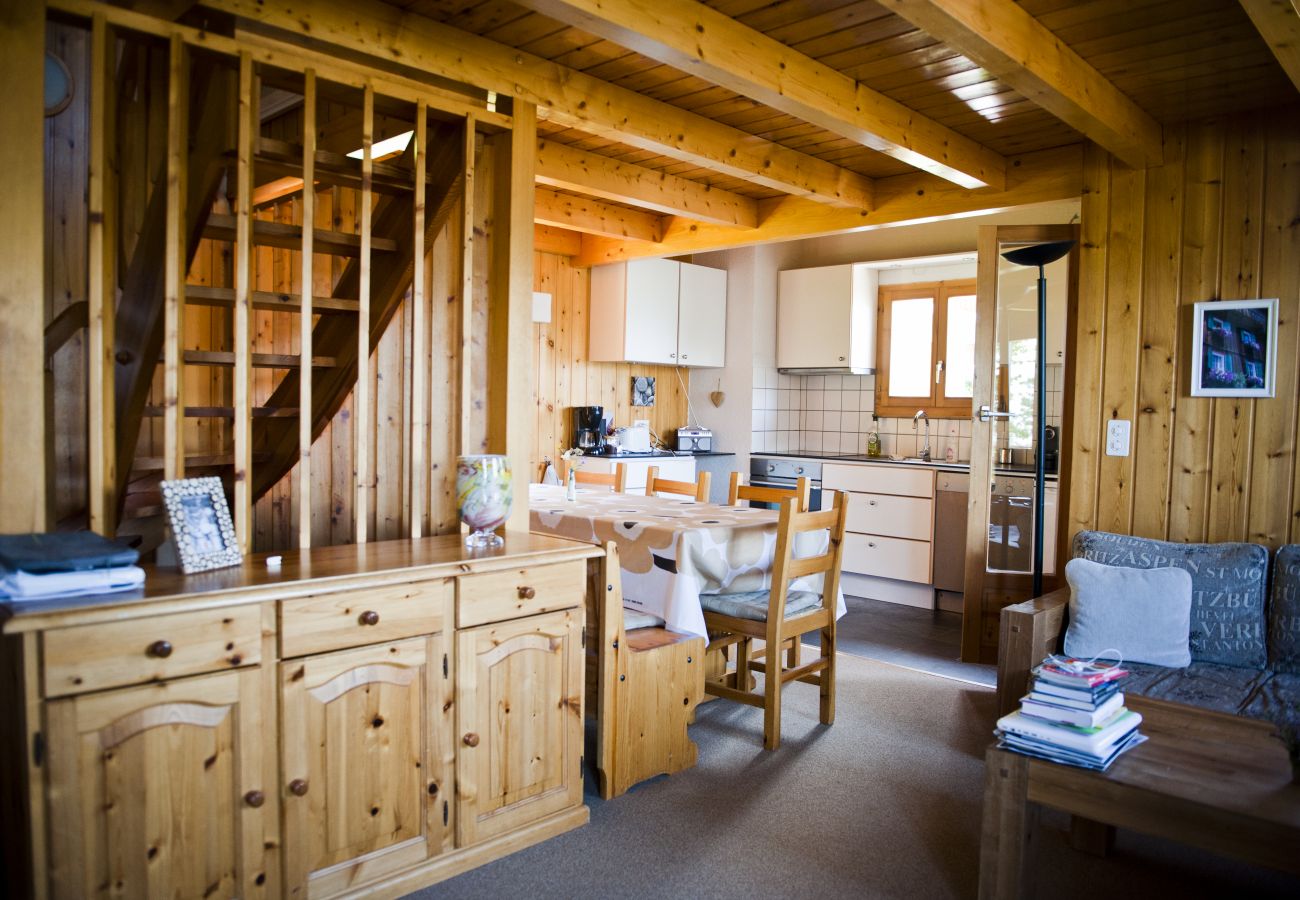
779,615
802,491
616,479
699,489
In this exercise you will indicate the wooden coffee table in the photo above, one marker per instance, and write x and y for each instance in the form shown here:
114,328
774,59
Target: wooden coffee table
1215,781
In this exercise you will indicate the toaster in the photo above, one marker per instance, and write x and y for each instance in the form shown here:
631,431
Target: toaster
694,439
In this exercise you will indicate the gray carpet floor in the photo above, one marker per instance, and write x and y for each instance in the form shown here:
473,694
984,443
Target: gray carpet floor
885,803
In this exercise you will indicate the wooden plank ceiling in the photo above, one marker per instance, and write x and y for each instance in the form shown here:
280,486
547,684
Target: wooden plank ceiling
1166,61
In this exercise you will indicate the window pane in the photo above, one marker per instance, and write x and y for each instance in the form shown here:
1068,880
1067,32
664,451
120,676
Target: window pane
1021,375
959,364
910,337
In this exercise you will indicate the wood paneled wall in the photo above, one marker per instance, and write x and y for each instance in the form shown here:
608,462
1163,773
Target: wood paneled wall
566,378
1219,220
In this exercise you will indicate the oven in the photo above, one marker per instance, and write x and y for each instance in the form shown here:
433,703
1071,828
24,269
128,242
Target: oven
785,472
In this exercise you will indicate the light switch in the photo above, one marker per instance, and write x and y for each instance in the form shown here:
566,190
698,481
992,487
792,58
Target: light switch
1117,437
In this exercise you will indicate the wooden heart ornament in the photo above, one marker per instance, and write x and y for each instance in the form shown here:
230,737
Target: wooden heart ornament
717,397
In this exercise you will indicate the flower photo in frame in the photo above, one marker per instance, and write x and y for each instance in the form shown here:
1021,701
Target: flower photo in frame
1234,348
201,525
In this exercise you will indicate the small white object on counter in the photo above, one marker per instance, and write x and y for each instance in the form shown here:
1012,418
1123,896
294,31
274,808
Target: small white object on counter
273,562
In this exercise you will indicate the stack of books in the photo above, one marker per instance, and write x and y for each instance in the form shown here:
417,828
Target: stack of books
1073,714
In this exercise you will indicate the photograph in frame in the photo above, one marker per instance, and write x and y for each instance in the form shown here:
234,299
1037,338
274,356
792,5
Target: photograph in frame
1234,348
201,525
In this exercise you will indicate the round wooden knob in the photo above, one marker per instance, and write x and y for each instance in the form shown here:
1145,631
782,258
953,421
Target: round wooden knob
255,798
369,617
298,787
160,649
470,740
527,593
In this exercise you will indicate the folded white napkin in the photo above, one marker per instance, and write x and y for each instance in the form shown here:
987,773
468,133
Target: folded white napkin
26,586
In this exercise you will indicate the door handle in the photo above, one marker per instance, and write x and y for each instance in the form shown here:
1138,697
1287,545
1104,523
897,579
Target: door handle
987,413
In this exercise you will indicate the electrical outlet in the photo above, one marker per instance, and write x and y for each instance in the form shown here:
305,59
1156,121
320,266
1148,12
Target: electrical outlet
1117,437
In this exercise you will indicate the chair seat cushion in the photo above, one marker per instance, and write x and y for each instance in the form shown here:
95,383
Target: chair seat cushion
635,618
1228,689
753,604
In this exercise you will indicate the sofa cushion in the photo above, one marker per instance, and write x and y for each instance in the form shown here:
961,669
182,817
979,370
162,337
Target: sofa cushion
1228,582
1226,689
1143,616
1284,612
1141,676
1278,701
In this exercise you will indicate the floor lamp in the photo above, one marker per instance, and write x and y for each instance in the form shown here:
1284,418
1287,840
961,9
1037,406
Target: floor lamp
1040,255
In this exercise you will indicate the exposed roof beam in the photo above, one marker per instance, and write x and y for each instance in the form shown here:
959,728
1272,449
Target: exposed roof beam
556,240
702,41
591,216
903,199
1278,22
1018,50
571,169
563,95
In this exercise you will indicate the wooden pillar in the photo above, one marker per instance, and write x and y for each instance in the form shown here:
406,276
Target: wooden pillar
419,325
363,418
243,318
175,262
511,418
466,404
22,267
304,318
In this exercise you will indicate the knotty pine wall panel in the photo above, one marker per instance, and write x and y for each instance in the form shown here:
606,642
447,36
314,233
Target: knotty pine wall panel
1219,220
566,377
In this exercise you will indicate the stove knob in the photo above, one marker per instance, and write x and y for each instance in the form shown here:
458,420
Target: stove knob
771,468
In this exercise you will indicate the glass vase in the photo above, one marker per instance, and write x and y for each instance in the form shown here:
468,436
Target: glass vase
485,493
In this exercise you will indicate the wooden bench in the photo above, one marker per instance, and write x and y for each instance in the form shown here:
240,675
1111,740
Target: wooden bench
642,687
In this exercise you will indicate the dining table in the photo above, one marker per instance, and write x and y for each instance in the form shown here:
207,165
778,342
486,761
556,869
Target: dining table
672,550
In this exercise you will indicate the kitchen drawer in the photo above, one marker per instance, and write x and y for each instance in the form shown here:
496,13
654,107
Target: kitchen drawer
901,480
958,482
890,516
354,618
497,596
93,657
887,557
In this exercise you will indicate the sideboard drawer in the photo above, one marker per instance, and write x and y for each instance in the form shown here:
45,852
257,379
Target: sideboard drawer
887,557
354,618
497,596
92,657
897,479
890,516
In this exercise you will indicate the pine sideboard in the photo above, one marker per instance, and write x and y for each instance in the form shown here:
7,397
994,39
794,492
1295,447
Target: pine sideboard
363,719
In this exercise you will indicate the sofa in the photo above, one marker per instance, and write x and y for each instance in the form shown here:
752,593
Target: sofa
1245,628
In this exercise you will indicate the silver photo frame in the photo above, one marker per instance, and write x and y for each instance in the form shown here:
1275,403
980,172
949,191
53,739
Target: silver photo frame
201,525
1234,348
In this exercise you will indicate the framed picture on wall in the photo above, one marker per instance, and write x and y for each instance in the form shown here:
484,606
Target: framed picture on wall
1234,348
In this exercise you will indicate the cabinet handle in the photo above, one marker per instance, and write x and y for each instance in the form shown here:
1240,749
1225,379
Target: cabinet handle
672,355
527,593
871,545
470,740
159,649
841,359
683,356
369,617
871,503
298,787
255,798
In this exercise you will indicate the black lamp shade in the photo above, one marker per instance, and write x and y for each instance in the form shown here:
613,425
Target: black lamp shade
1038,254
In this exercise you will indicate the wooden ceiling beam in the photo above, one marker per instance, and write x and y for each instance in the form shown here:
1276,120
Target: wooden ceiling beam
563,95
571,169
1278,22
1040,177
556,240
1017,49
591,216
701,41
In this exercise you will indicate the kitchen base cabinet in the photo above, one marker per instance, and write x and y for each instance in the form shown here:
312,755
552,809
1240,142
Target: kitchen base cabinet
521,750
159,791
318,748
365,736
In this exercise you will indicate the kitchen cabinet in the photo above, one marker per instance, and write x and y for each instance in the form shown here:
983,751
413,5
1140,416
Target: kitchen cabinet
826,319
159,790
658,311
519,691
674,468
373,718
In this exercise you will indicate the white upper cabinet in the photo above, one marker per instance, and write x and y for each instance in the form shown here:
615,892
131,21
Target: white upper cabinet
658,311
826,319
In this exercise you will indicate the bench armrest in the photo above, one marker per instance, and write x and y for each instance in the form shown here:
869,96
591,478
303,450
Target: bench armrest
1029,631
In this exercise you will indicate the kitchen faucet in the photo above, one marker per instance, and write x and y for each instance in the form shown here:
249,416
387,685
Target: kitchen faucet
925,450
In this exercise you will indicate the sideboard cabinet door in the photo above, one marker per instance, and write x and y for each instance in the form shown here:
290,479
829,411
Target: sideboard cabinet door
519,752
158,791
363,757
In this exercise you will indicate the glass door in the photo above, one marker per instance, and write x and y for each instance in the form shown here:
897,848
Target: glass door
1001,530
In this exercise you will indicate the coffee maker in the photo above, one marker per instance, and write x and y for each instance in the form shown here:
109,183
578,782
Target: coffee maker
589,428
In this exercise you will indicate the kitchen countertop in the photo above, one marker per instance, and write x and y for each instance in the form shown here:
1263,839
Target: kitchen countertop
661,454
939,464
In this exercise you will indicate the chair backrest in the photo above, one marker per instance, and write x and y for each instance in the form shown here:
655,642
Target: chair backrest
699,489
616,479
802,491
786,567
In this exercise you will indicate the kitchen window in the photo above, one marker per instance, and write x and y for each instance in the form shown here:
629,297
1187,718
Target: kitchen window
926,352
